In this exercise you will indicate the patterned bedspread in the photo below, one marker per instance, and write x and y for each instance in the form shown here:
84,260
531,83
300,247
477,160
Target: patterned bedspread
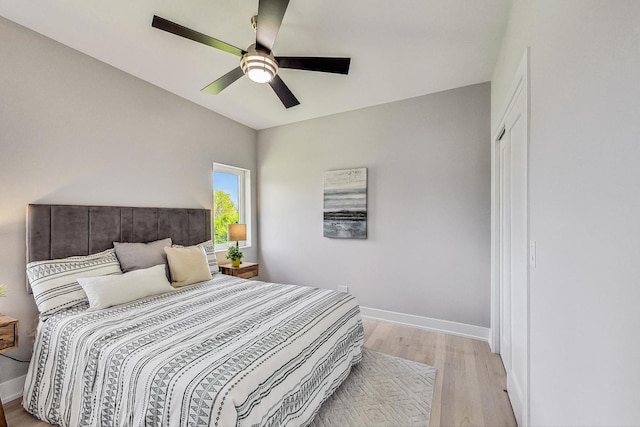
225,352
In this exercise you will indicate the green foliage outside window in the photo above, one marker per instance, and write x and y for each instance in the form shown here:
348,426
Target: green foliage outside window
224,212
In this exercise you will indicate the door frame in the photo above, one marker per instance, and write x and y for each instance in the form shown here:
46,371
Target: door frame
519,82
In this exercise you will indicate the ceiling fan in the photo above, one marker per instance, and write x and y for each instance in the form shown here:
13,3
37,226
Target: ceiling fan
258,62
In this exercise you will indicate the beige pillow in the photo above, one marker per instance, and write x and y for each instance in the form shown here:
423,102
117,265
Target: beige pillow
209,249
187,265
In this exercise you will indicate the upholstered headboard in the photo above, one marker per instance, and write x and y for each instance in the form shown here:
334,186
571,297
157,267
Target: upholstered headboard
60,231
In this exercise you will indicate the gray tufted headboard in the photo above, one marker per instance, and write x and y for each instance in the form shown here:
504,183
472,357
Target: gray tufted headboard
60,231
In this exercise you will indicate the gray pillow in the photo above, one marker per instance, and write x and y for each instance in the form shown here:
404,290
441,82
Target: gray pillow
134,256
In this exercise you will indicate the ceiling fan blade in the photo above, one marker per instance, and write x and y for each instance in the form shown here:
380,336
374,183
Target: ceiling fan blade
286,96
270,14
179,30
325,65
224,81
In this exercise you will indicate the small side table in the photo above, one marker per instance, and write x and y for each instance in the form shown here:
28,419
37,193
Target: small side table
8,333
8,341
246,270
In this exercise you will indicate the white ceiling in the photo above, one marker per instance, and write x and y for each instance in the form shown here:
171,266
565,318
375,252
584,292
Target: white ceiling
399,49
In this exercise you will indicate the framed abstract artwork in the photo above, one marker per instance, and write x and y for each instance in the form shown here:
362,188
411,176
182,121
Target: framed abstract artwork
345,204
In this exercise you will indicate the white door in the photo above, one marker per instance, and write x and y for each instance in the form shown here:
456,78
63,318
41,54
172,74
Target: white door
513,252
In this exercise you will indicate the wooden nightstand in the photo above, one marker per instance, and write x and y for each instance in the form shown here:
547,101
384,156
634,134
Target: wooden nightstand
246,270
8,340
8,333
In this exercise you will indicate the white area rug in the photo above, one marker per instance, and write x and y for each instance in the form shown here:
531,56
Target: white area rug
381,390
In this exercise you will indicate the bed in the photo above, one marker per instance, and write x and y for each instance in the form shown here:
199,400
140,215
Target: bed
226,351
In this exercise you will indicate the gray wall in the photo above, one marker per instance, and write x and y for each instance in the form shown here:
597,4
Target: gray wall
428,161
77,131
584,206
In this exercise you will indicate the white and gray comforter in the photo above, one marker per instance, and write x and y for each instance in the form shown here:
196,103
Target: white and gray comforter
225,352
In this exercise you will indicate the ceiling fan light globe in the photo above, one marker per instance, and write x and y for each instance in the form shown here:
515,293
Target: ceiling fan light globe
259,75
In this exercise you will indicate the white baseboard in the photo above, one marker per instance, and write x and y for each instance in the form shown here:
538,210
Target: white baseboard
12,389
446,326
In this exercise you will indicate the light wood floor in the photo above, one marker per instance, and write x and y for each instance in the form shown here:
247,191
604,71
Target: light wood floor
469,388
470,382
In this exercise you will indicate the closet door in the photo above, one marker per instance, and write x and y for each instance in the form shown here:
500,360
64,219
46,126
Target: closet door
514,252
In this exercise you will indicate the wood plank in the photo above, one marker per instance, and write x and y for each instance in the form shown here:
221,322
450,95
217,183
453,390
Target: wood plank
491,372
438,361
3,419
17,416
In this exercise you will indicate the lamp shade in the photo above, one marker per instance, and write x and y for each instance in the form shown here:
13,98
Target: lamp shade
237,232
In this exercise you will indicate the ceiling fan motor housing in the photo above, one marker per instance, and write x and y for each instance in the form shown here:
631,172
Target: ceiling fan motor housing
258,65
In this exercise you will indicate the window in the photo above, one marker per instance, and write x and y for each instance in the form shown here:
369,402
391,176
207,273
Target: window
231,203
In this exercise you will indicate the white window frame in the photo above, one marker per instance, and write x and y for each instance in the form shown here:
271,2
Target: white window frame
244,202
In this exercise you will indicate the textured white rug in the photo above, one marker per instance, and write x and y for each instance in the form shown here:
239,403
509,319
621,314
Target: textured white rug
381,390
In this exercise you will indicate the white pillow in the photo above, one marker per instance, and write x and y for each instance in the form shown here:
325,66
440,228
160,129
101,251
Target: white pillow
187,265
107,291
55,282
